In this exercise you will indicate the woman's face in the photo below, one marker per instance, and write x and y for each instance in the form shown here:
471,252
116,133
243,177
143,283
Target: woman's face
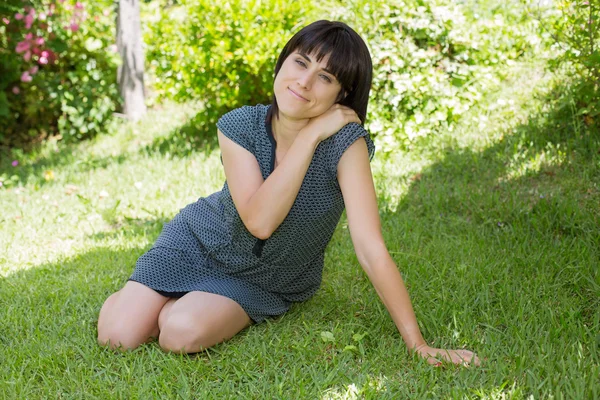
304,88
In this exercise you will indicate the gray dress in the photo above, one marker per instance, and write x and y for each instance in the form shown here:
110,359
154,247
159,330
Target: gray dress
207,247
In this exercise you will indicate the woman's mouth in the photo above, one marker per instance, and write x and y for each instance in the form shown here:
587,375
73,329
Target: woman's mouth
296,95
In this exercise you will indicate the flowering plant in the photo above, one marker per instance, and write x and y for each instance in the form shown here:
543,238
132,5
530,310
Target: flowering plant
58,69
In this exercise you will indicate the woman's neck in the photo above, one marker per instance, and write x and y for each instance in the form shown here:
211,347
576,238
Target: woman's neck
285,129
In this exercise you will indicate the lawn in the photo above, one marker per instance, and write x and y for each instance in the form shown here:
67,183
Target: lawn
494,225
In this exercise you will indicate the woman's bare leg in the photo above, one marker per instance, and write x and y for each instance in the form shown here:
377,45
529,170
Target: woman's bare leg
162,317
200,320
129,317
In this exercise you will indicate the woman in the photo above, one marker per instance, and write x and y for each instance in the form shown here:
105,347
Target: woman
246,253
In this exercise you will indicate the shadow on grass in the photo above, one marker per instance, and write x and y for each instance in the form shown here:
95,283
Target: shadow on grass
62,299
543,172
197,135
64,155
512,231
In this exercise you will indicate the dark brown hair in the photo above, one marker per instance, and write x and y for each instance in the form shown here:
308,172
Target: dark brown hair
349,61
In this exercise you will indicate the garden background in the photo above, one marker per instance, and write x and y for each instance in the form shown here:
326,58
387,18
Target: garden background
485,115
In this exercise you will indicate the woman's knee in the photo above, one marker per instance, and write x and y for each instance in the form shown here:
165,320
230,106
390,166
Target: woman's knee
129,317
112,330
181,334
120,337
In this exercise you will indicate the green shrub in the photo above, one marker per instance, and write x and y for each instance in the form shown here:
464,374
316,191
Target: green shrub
432,60
575,29
221,53
58,73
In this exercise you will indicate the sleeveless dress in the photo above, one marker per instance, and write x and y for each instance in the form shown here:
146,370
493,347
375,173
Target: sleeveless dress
207,247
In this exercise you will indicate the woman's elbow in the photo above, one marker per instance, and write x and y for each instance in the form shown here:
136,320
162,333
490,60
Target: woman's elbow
261,234
258,230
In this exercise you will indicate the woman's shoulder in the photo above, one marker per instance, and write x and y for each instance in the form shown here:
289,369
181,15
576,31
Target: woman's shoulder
245,117
347,135
337,144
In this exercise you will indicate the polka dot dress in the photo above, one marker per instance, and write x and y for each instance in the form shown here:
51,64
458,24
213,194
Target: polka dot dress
207,247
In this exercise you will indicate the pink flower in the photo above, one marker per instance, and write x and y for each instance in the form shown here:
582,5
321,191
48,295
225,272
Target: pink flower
15,163
46,57
16,90
39,41
27,56
78,6
29,20
29,36
23,46
33,70
6,20
74,27
18,16
25,77
106,12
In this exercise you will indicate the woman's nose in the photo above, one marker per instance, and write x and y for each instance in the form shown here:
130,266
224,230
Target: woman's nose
305,80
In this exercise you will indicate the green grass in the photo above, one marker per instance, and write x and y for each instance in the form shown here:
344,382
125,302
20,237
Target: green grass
495,227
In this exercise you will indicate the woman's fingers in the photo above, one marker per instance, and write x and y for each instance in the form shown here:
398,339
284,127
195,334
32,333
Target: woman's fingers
459,357
431,359
464,357
351,115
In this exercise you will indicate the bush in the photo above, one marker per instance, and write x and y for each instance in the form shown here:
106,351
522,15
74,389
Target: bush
58,73
221,53
575,29
432,60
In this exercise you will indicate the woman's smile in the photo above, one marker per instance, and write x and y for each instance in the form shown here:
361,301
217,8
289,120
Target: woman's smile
296,95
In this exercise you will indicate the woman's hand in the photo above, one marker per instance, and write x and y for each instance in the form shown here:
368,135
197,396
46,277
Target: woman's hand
436,356
330,122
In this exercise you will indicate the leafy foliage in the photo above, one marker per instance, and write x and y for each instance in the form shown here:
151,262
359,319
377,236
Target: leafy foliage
575,30
433,60
222,54
57,74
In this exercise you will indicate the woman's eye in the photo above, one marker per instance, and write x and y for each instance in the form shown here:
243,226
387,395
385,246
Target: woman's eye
300,63
326,78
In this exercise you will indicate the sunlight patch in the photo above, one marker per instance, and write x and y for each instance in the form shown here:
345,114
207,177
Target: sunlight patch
527,160
502,393
353,391
394,178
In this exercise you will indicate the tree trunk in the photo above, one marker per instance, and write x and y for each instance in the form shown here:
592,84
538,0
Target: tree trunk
130,73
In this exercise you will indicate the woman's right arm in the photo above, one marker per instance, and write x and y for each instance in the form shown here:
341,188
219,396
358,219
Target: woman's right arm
264,204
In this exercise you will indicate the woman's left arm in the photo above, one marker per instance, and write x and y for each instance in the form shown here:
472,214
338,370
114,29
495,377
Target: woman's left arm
356,183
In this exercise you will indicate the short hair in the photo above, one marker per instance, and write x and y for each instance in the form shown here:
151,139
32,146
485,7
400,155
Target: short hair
349,61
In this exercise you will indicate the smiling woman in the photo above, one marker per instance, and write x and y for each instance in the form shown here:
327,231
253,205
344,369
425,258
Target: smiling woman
331,66
248,252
